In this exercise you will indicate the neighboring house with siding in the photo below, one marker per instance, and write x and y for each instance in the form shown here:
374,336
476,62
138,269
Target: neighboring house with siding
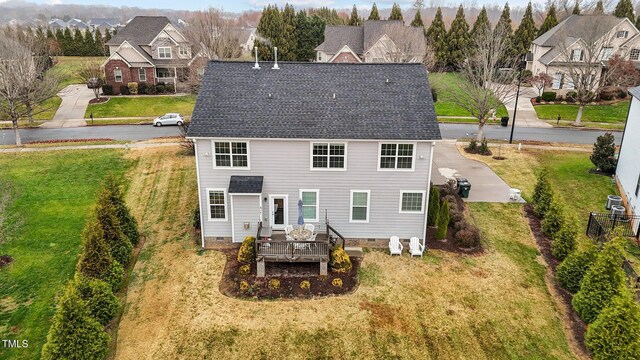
628,169
377,41
150,49
563,46
353,141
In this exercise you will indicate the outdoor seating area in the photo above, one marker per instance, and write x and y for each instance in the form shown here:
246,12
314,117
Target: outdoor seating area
416,248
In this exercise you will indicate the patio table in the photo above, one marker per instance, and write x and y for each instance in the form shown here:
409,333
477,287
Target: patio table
301,234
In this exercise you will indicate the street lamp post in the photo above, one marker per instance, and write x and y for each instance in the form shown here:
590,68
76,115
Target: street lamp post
521,67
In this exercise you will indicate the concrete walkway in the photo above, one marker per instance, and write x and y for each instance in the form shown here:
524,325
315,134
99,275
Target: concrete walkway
526,115
75,99
486,186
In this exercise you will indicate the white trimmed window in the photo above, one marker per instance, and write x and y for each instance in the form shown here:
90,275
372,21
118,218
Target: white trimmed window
569,83
183,50
396,156
359,206
117,74
217,204
310,204
142,74
622,34
606,52
412,201
164,52
231,154
330,156
577,55
557,81
634,54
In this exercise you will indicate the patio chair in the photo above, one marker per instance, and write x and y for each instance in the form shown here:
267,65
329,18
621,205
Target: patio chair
310,227
415,248
288,229
395,247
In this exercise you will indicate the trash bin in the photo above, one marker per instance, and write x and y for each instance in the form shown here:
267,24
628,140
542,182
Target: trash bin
504,121
464,186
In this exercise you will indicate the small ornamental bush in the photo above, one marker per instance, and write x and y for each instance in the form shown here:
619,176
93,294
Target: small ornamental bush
553,220
548,96
244,285
542,194
337,282
169,88
151,89
124,90
96,260
247,253
107,89
133,88
114,236
274,284
339,260
244,269
571,96
434,206
160,88
142,88
604,280
99,297
458,225
74,334
571,271
603,156
115,275
615,334
467,237
473,146
484,146
565,240
195,219
443,221
305,285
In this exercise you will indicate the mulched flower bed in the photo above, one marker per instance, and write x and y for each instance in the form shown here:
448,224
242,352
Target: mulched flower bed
5,260
578,327
99,100
478,151
60,141
284,280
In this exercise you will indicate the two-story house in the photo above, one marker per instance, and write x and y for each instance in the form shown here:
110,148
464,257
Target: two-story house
353,142
150,49
577,40
377,41
628,169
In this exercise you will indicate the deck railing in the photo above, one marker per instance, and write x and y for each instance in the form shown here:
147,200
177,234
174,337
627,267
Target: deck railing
292,251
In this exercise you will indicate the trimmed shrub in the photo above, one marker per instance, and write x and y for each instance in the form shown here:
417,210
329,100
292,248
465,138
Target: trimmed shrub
127,221
443,221
339,261
247,252
133,88
621,93
169,88
98,295
458,225
571,96
564,242
542,194
142,88
96,260
548,96
571,271
114,236
195,218
526,74
305,285
538,99
484,146
615,334
553,220
152,90
434,206
115,276
467,237
455,215
337,282
160,88
608,93
473,145
124,90
559,98
434,95
603,156
604,280
107,89
74,334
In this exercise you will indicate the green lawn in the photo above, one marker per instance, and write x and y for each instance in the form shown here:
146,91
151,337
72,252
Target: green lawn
142,106
448,85
67,68
50,107
53,194
614,113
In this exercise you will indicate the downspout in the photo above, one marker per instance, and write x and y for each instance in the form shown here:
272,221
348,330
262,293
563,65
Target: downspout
195,144
426,205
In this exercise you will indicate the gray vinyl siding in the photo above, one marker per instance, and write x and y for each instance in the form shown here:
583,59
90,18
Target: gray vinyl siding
245,209
285,165
628,170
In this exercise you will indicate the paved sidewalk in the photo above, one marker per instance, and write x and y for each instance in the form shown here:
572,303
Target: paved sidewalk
526,115
486,186
75,99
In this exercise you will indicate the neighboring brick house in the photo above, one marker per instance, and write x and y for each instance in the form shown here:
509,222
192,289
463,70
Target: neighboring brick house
151,50
378,41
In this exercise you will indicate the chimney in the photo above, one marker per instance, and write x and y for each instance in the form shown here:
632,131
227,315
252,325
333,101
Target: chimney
256,66
275,64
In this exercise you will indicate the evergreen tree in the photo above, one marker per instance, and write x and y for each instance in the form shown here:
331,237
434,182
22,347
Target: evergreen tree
310,34
118,243
127,221
50,34
564,242
604,280
265,50
74,334
354,20
78,43
443,221
270,24
624,9
374,13
287,50
99,298
434,206
604,151
417,19
525,33
542,194
437,38
89,44
99,49
504,28
638,22
96,260
457,39
553,220
599,10
107,36
549,22
576,9
482,23
396,12
572,269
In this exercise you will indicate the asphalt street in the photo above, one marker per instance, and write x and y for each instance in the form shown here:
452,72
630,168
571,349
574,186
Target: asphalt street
449,131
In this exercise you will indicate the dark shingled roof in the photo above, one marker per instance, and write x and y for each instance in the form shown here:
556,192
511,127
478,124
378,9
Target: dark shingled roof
296,101
140,30
245,184
335,37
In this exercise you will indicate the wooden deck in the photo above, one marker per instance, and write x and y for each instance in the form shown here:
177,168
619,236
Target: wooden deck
278,249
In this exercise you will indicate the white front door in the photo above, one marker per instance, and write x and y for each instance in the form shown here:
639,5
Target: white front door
278,211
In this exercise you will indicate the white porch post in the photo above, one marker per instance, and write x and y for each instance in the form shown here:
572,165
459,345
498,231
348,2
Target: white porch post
175,80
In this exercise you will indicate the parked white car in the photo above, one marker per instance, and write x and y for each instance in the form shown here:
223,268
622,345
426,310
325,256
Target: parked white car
169,119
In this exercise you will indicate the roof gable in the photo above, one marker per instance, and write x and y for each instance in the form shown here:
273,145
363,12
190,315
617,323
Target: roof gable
141,30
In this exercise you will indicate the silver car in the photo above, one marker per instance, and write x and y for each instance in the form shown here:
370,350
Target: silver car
169,119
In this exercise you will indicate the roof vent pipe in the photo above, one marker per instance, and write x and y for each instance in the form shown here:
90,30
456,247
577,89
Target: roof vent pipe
256,66
275,64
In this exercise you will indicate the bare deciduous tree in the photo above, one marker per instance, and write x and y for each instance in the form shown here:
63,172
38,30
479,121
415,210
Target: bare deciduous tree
539,81
91,73
24,82
484,86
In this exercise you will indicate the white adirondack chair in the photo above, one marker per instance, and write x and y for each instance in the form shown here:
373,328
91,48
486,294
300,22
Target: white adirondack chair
310,227
395,247
415,248
287,230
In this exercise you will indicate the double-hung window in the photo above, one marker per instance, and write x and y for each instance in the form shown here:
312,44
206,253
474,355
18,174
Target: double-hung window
310,204
557,81
117,74
231,154
164,52
606,52
396,156
576,55
216,200
330,156
359,206
183,51
412,201
622,34
634,54
142,74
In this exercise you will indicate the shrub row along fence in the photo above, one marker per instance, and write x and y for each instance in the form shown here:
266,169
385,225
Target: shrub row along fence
88,302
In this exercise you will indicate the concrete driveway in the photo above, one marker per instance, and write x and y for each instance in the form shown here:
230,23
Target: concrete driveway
486,186
75,99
